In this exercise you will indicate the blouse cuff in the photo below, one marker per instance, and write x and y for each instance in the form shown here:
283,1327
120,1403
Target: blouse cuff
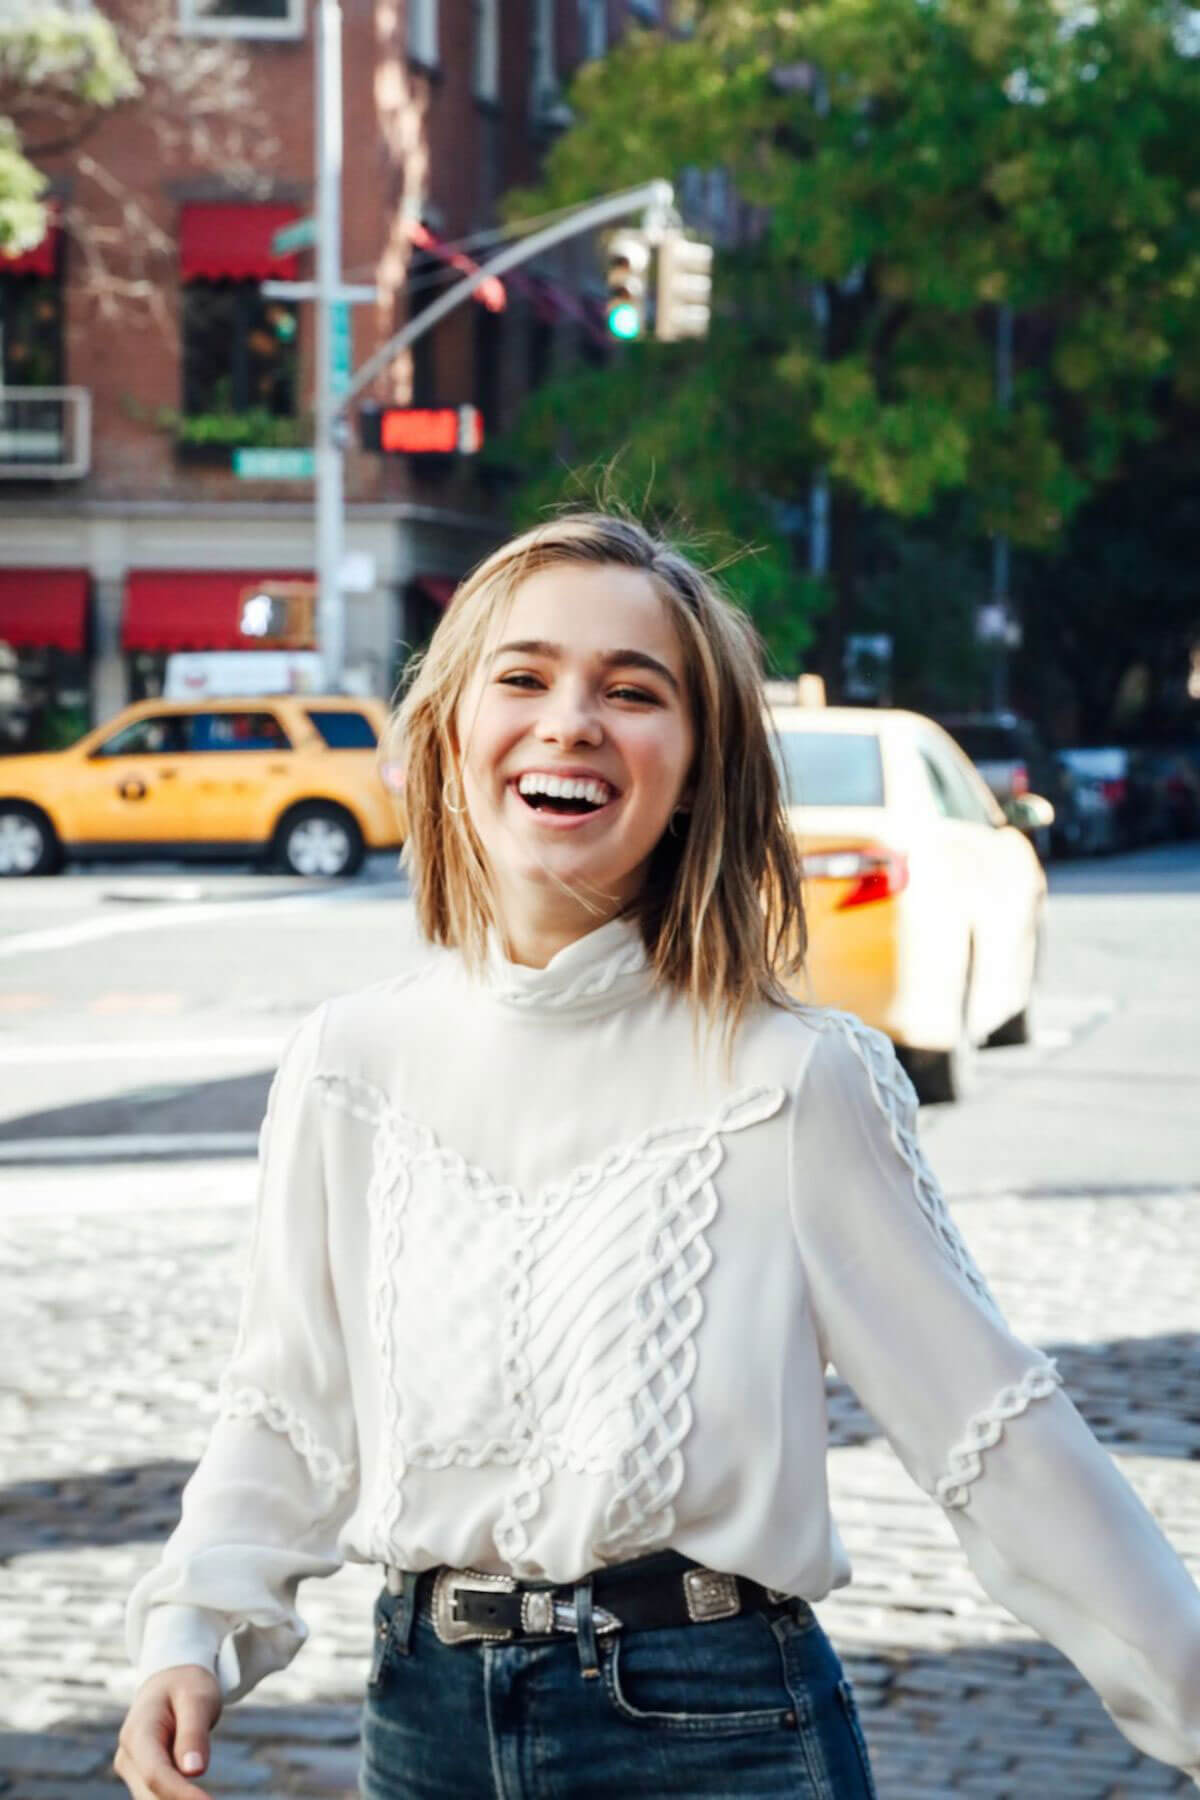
179,1634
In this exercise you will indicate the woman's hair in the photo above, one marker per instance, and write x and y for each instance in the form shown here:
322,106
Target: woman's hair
721,912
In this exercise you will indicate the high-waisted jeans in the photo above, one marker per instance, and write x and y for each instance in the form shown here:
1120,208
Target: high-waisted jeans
739,1708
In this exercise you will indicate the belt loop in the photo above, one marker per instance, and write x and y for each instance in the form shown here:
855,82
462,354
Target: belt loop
585,1630
405,1614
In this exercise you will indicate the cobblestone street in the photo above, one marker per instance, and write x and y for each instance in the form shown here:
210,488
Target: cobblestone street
119,1293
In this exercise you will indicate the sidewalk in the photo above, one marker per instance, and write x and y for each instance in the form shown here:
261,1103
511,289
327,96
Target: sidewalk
119,1285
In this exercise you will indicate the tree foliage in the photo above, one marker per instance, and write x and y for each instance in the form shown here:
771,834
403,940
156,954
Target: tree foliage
912,169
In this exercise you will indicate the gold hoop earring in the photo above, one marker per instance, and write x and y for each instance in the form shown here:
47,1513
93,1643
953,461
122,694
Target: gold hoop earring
448,803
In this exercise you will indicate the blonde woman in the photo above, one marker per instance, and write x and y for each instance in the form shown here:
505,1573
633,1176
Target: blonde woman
556,1235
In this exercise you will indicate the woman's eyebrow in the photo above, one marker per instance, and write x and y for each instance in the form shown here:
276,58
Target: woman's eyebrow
611,659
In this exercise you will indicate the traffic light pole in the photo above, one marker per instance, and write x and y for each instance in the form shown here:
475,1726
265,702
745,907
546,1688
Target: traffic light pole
328,448
655,197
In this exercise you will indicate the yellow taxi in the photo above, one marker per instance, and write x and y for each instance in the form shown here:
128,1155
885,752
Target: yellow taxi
289,778
924,902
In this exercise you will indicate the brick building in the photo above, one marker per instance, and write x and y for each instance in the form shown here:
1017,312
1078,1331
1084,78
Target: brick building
126,531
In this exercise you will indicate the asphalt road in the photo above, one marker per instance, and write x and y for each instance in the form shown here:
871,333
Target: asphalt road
141,1013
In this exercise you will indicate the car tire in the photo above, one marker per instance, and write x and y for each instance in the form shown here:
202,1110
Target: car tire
320,842
1019,1029
28,842
945,1077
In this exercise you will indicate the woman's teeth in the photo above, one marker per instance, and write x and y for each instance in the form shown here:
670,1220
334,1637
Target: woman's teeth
577,790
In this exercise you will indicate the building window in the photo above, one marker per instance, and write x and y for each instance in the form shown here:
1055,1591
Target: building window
487,50
593,29
31,331
242,18
239,350
423,32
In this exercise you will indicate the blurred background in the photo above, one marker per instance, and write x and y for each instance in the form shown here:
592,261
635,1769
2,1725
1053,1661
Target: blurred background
931,407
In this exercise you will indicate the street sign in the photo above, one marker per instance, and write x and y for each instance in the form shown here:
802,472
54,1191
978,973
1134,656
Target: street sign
341,352
301,235
274,465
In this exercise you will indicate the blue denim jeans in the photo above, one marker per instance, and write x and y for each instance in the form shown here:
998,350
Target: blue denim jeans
732,1709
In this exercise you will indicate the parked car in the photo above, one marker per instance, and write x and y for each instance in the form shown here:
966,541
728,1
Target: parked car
1009,753
924,904
1126,782
1175,778
290,779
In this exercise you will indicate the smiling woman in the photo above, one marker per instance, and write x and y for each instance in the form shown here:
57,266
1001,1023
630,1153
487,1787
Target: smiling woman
543,1287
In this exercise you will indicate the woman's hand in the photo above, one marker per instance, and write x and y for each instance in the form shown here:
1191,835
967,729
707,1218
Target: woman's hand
165,1735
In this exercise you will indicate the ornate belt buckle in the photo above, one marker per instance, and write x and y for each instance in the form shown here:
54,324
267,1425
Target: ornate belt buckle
448,1584
710,1596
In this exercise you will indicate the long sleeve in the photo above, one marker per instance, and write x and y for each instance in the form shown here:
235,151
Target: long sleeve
1052,1530
278,1479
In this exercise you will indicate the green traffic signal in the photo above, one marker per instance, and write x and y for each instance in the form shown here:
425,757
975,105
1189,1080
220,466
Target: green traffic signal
624,320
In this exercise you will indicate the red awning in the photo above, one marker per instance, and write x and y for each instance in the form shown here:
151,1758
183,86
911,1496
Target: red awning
41,260
43,608
489,293
233,243
191,609
437,588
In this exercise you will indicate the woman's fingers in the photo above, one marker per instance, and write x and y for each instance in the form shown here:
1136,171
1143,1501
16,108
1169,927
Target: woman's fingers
149,1774
165,1737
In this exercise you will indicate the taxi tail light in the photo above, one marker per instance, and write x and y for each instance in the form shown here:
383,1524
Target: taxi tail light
877,872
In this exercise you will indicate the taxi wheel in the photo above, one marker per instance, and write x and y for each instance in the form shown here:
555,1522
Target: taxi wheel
319,840
943,1077
28,845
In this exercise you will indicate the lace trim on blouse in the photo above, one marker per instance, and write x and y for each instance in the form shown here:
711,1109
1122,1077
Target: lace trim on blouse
241,1400
896,1098
590,1290
985,1429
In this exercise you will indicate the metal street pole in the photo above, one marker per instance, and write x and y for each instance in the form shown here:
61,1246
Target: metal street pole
1004,348
331,625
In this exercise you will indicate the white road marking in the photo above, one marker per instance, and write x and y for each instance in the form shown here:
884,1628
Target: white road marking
126,1050
87,931
129,1146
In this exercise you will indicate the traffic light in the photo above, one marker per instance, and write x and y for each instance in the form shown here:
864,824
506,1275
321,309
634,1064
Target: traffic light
628,260
684,288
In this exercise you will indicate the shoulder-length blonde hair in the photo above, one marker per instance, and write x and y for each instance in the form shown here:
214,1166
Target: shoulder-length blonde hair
721,912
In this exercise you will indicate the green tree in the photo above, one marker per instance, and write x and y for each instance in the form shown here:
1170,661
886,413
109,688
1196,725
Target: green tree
914,168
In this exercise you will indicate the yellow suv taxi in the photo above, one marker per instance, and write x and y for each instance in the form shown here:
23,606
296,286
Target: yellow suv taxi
289,778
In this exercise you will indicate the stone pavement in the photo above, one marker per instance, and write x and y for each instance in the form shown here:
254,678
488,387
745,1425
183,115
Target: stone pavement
117,1291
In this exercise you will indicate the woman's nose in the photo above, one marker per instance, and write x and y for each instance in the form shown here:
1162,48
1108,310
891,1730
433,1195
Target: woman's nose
570,718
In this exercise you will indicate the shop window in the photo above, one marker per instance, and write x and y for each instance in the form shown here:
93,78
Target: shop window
243,18
593,29
239,350
487,50
31,331
423,32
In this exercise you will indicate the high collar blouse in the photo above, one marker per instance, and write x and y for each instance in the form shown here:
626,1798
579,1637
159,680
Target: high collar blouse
539,1283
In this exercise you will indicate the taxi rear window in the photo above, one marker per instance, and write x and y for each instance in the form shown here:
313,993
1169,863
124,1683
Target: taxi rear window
343,730
827,768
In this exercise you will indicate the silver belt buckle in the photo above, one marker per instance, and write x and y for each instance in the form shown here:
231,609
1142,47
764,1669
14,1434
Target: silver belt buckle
710,1596
451,1582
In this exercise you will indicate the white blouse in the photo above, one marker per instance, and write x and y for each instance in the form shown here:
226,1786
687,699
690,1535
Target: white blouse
538,1285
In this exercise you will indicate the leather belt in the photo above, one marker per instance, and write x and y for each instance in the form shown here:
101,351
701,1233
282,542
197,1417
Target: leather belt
473,1606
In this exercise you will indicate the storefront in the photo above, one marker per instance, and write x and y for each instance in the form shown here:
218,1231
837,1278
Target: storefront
210,609
44,646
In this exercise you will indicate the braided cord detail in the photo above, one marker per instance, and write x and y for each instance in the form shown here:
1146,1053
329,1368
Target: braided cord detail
896,1099
985,1429
241,1400
629,959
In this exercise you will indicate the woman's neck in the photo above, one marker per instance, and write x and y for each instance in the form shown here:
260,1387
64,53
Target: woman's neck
532,936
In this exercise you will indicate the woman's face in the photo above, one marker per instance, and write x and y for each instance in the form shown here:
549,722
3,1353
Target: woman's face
576,739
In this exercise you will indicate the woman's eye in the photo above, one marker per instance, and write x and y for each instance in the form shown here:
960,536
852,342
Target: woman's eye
634,693
519,679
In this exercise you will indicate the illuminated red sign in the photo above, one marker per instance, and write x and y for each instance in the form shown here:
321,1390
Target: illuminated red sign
430,430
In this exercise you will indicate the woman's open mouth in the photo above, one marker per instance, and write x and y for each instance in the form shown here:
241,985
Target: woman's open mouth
563,796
